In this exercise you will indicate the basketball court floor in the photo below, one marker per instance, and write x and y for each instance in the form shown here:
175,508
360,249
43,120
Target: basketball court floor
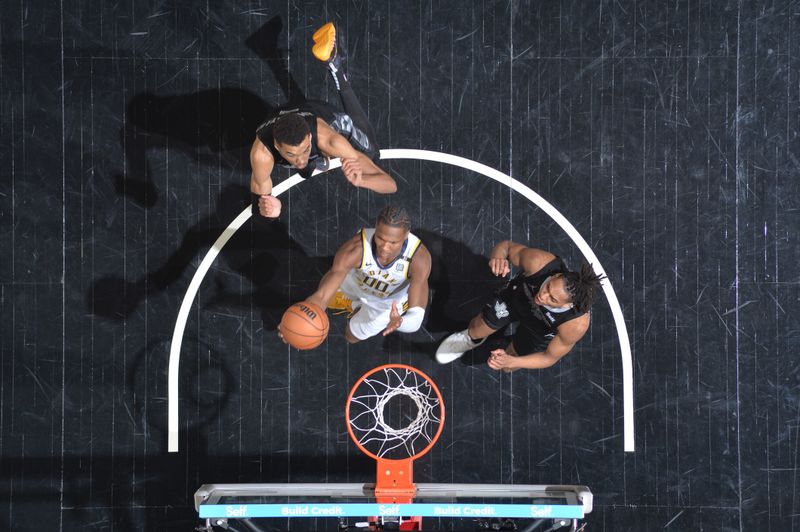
140,361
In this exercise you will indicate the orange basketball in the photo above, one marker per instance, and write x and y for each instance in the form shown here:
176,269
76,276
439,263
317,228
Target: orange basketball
304,325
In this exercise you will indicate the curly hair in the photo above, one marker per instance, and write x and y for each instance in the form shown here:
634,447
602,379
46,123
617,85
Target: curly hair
582,286
290,129
395,217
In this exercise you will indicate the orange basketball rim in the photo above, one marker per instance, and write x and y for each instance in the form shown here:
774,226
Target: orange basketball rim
378,405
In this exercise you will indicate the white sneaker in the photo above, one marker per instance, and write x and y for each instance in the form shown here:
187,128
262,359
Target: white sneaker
454,346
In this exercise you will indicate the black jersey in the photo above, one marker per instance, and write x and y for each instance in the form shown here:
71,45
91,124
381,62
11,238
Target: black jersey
520,294
310,113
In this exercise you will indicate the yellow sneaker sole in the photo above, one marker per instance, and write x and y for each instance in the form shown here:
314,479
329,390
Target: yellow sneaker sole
340,304
324,42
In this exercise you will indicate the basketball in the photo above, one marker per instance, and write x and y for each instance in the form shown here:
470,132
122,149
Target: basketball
304,325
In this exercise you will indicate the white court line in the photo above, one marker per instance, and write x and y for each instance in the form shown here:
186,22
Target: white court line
424,155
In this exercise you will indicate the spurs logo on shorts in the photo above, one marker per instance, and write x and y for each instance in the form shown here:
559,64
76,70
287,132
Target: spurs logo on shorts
500,310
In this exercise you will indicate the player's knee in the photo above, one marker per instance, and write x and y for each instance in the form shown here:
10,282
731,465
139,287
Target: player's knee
350,337
478,328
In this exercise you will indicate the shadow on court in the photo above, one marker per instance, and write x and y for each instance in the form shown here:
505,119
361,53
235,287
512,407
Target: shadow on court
138,485
211,125
262,252
135,493
460,282
134,484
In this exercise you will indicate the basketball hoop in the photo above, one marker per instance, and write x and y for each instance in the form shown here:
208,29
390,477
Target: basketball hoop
395,414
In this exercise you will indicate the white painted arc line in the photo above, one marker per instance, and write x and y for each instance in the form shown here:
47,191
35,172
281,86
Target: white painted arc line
583,246
180,325
186,306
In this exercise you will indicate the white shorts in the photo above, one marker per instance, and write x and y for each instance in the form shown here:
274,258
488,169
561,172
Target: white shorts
371,314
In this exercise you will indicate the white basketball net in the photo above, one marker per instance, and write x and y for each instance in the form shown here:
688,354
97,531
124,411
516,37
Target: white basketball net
368,417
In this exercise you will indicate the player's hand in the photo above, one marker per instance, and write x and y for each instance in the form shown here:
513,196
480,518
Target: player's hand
395,319
499,267
353,172
499,359
280,335
269,206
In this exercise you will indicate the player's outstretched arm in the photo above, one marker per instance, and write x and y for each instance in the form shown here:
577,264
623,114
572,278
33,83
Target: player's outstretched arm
419,273
531,260
562,343
261,162
347,258
417,295
359,169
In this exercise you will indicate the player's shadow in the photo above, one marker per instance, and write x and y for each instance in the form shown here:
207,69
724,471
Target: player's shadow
208,383
264,43
154,491
460,282
262,252
210,125
268,257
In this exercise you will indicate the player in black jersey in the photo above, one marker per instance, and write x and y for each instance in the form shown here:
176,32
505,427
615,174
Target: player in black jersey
549,302
306,136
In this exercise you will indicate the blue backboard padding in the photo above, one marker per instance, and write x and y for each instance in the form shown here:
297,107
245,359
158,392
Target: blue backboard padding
239,511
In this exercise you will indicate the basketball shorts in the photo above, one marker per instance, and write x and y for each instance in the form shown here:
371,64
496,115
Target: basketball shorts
498,313
367,321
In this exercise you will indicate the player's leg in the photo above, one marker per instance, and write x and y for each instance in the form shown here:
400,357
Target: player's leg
479,329
348,333
354,124
492,317
527,340
349,337
366,322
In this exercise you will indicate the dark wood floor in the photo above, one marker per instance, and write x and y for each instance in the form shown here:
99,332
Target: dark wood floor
666,133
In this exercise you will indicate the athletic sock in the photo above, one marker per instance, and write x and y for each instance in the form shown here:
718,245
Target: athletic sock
335,72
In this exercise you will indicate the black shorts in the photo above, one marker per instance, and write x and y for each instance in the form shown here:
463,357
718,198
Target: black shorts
323,110
497,313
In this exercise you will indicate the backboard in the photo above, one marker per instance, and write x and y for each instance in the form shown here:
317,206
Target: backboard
394,414
354,506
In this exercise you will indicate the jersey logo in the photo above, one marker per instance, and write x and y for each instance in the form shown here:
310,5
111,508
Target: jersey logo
399,267
550,317
368,264
500,310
